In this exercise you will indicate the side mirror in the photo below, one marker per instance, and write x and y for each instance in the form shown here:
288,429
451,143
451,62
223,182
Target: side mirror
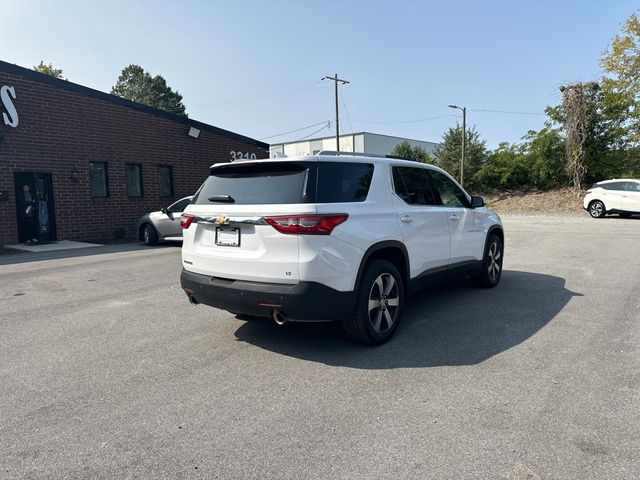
164,210
477,201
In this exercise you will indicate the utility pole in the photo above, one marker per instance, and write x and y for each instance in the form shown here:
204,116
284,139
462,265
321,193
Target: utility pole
336,80
464,139
464,144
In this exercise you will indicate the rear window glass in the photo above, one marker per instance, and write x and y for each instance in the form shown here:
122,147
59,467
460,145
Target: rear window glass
286,182
257,183
613,186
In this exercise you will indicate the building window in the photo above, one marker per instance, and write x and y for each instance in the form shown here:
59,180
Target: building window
134,179
165,181
99,179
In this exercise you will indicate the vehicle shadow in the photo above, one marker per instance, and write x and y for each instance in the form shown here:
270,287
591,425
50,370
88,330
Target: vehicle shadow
27,257
618,217
454,324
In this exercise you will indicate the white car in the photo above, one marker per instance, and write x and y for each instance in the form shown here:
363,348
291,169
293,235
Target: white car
333,237
613,196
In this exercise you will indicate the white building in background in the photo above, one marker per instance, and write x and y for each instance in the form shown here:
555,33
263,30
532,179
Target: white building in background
362,142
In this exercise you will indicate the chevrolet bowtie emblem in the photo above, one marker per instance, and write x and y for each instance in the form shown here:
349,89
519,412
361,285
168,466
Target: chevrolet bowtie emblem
221,220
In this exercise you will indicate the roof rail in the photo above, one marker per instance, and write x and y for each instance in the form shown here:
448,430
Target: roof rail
350,154
397,157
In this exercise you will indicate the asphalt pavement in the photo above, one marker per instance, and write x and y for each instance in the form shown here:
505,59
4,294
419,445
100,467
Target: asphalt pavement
107,371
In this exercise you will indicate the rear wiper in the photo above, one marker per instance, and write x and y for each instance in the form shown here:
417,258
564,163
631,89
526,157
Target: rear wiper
222,198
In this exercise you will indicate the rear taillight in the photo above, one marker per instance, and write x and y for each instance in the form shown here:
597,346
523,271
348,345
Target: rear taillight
306,224
186,220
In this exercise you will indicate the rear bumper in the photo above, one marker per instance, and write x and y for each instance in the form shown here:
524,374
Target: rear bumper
304,301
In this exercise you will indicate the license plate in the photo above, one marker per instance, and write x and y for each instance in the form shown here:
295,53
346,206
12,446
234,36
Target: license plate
227,236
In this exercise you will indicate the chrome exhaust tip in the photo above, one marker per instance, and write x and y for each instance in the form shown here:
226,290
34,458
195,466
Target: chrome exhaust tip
278,317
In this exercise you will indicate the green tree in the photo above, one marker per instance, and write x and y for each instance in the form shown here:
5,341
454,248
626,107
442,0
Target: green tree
621,82
504,169
137,85
544,156
537,162
417,153
449,153
607,152
48,70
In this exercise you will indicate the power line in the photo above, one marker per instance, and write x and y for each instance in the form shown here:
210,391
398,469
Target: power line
348,119
506,112
418,120
294,131
262,97
328,125
399,122
346,110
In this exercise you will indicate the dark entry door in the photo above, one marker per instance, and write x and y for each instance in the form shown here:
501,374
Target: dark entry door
39,221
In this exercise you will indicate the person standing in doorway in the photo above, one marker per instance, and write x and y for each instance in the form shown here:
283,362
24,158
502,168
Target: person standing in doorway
28,219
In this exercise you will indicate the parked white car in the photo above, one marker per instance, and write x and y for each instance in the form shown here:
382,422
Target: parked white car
613,196
333,237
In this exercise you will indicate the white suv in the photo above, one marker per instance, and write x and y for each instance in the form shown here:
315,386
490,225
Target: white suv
613,196
333,237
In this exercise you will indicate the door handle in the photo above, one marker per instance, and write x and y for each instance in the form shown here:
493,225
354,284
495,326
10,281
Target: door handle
406,218
623,196
454,218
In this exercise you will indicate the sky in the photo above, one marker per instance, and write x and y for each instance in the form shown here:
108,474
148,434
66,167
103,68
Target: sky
255,67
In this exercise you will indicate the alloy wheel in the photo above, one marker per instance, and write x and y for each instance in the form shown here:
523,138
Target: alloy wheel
596,209
493,268
384,301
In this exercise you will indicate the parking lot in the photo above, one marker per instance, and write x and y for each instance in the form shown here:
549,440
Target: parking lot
107,371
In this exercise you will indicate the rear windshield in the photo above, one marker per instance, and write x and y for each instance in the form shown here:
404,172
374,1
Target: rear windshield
256,183
286,182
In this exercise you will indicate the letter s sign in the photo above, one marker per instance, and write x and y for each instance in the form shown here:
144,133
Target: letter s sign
11,117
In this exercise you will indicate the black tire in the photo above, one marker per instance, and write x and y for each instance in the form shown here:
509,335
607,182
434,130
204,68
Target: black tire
596,209
374,326
624,215
149,235
491,269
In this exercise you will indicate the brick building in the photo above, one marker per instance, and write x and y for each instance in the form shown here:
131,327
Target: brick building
96,162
